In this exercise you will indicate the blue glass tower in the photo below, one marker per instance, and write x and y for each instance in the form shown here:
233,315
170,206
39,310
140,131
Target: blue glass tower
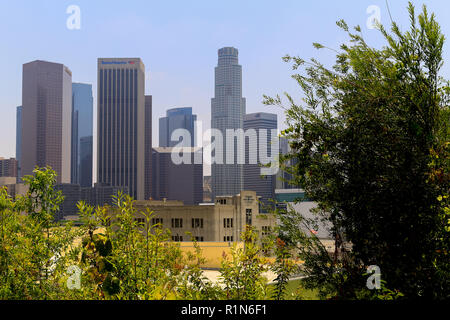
82,128
176,118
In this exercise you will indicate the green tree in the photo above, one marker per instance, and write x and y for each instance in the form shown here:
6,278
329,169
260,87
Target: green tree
370,140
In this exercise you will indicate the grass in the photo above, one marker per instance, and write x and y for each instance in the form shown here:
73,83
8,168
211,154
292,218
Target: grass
295,285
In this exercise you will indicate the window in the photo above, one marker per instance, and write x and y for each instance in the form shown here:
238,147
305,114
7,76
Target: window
228,222
140,221
157,221
248,216
222,201
197,223
228,238
177,238
199,239
265,230
177,223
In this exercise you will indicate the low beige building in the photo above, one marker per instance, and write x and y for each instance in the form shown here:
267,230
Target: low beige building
222,221
12,188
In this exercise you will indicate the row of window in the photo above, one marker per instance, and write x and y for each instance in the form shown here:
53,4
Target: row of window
178,238
178,222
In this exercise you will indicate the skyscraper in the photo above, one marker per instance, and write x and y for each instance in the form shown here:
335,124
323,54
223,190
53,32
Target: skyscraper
46,118
82,128
148,147
264,185
176,118
124,124
227,112
18,140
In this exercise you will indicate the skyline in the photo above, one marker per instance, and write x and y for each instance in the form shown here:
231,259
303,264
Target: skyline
165,39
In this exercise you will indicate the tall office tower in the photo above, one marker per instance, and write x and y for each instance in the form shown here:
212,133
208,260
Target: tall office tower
148,148
82,132
18,140
177,118
46,118
227,112
264,185
182,181
123,124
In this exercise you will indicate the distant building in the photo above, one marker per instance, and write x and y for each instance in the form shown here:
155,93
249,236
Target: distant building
177,118
207,189
71,193
227,112
183,181
18,140
264,185
124,126
284,179
12,188
296,200
46,118
82,133
8,167
99,195
221,221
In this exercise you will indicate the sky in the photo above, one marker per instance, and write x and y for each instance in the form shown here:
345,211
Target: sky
178,43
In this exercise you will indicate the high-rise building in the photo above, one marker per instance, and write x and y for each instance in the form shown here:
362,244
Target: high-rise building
124,124
264,185
227,112
82,132
183,181
177,118
46,118
18,140
148,148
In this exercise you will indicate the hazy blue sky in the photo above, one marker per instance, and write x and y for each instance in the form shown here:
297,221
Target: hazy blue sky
178,43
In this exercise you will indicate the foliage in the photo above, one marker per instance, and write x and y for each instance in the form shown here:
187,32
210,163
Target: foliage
242,271
370,143
118,255
35,251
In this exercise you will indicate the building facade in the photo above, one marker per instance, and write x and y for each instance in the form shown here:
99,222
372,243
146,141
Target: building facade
227,112
222,221
18,140
295,199
123,125
177,118
183,182
8,167
284,180
82,133
260,123
46,118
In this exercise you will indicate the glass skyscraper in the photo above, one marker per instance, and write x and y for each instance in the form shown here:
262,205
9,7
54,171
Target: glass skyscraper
227,112
176,118
82,132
